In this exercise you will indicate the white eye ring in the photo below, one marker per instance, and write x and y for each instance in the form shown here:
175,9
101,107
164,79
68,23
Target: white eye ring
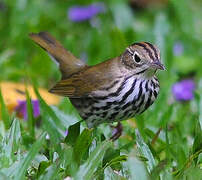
136,57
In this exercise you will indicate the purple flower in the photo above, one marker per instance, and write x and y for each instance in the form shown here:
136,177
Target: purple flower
66,133
83,13
178,49
22,108
184,90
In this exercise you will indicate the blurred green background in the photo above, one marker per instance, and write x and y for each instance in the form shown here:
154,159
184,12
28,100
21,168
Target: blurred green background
105,36
175,26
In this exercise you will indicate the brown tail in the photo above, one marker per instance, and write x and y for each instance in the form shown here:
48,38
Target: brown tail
68,63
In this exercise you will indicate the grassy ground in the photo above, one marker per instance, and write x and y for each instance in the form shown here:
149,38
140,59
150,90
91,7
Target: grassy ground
33,150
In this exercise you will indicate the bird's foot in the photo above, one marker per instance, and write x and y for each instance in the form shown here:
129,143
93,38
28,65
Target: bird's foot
117,131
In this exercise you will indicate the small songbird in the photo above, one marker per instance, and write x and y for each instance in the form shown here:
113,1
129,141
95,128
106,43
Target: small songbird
114,90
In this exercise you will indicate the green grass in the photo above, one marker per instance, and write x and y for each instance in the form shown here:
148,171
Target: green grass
29,151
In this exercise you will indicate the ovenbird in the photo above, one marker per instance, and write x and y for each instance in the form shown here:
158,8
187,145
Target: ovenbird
113,90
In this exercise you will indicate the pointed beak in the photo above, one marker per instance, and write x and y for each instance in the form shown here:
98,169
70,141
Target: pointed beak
158,65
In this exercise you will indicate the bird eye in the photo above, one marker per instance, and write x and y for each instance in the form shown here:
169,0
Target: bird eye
136,58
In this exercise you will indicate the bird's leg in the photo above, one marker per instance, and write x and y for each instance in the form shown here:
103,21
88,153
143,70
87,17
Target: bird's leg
117,132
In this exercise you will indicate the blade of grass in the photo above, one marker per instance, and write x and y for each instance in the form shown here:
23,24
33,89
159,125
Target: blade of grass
14,138
20,173
197,145
157,170
31,121
50,121
82,144
137,169
10,145
4,112
144,150
87,170
109,174
115,161
198,96
52,173
3,176
188,163
200,109
42,167
73,133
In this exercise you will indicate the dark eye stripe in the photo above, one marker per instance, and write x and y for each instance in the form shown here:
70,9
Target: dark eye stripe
153,48
148,50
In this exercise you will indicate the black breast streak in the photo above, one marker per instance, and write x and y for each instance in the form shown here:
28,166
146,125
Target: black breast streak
125,96
141,103
125,114
116,93
140,91
148,103
127,105
156,79
155,93
153,84
146,86
113,115
117,108
104,108
108,105
104,114
88,114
